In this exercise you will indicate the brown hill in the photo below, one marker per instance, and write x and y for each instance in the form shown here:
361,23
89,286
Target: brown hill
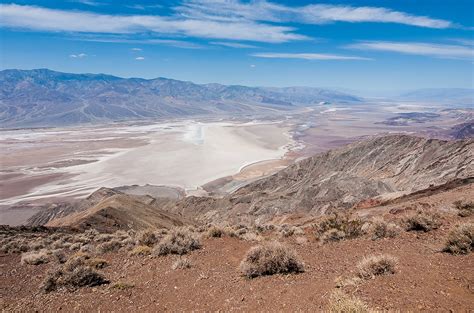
120,211
383,166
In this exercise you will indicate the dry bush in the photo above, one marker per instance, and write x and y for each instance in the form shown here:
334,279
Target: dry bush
376,265
288,231
73,278
109,246
59,255
422,221
87,248
460,239
14,245
339,226
178,241
382,229
75,246
96,263
270,258
339,302
36,257
465,208
121,234
215,232
37,244
141,251
147,238
91,233
104,237
181,263
333,235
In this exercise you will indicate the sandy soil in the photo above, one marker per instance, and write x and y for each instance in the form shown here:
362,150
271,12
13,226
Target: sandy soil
425,280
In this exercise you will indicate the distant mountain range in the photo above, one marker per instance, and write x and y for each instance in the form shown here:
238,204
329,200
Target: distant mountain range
460,96
41,97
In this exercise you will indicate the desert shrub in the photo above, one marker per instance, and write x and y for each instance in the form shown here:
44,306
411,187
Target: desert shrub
35,257
339,302
128,243
104,237
178,241
333,234
109,246
382,229
288,231
121,234
87,248
14,246
73,278
376,265
141,251
340,226
270,258
75,260
215,232
181,263
230,232
147,238
91,233
37,244
422,221
460,239
83,239
58,244
59,255
96,263
465,208
75,246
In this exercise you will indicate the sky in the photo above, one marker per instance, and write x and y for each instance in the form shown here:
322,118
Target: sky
359,45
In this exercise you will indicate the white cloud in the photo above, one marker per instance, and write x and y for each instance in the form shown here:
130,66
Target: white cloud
44,19
140,58
253,65
234,10
307,56
418,48
78,56
233,44
136,49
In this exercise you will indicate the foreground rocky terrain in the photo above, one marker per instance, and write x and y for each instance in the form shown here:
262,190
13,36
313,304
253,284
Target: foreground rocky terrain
394,231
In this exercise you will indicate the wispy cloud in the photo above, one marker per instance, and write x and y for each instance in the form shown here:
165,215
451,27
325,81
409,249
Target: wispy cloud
139,58
130,39
418,48
88,2
234,10
78,56
307,56
45,19
233,44
136,49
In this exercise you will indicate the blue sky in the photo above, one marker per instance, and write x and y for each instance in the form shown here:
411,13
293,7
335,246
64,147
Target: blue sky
361,45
